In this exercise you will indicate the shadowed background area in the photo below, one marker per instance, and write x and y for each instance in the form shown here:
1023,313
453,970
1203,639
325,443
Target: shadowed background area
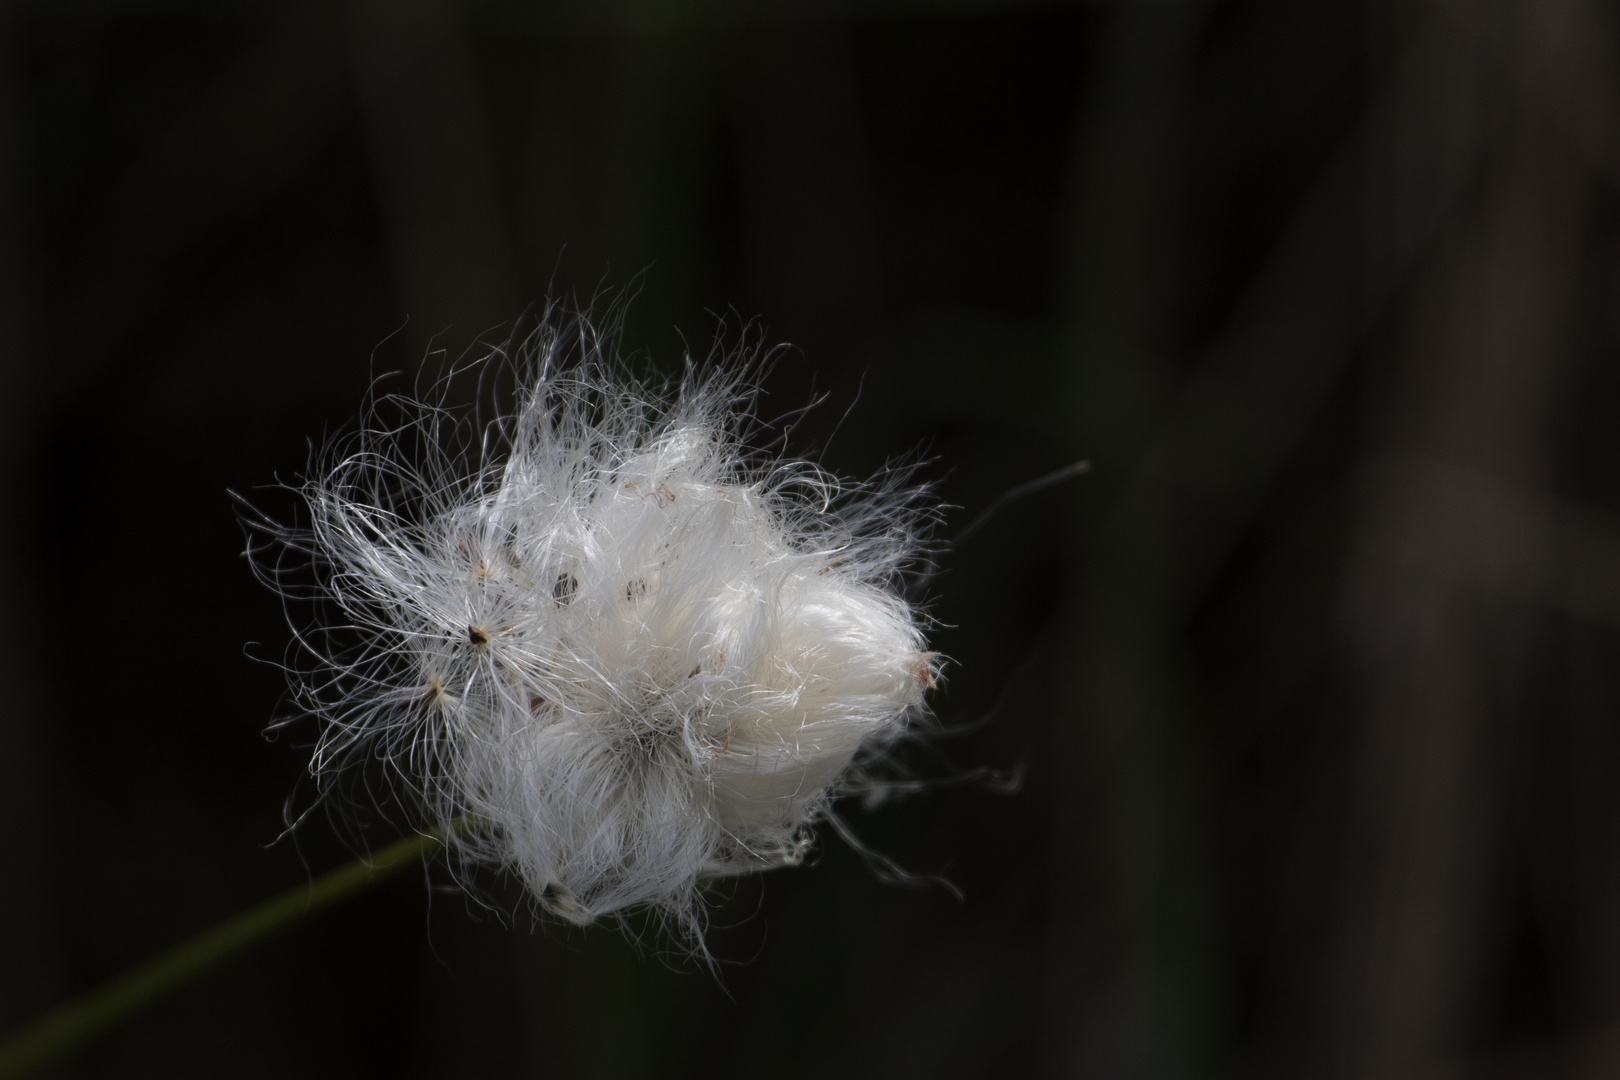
1314,675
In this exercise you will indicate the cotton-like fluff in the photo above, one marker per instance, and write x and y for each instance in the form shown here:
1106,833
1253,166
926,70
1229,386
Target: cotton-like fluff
633,652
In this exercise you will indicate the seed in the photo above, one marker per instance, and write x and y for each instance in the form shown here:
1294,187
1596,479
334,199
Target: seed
565,588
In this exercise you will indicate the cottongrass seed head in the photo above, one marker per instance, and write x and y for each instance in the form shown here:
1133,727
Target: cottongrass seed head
634,651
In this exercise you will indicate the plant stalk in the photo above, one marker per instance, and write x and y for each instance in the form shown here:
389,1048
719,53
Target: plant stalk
82,1018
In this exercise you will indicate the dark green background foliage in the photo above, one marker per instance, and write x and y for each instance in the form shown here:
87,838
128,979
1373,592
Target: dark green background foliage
1313,676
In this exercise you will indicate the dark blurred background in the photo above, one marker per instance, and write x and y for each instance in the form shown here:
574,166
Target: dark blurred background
1314,675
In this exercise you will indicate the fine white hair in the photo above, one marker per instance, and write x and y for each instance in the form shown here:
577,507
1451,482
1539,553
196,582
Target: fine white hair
630,651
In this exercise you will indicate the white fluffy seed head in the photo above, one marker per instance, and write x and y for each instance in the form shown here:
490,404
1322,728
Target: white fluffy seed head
638,653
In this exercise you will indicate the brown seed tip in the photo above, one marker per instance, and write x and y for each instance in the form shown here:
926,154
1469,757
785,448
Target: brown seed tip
565,588
477,635
922,669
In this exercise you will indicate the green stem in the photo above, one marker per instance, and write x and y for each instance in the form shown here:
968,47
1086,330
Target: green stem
73,1022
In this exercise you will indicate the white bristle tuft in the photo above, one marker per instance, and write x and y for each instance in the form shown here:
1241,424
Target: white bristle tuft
636,651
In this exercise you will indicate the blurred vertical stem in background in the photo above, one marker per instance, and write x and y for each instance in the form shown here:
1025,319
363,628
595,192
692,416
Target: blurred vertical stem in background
29,947
433,164
1184,465
662,146
1119,377
1483,174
